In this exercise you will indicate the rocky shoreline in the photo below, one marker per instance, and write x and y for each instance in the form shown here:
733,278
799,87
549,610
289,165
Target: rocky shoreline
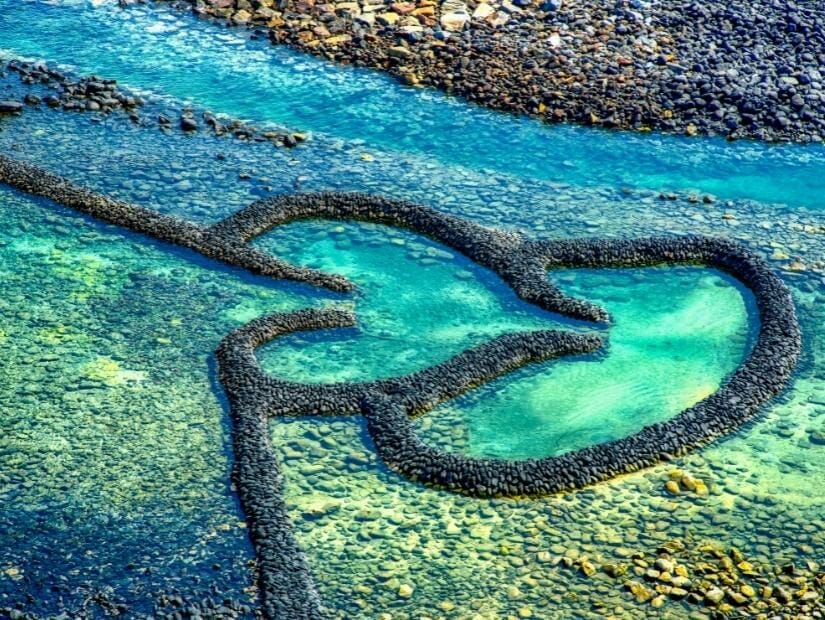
737,69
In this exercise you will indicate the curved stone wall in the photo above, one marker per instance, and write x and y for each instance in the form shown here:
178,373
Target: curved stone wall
285,581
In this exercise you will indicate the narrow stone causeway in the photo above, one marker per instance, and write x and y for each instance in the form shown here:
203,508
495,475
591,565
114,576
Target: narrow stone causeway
285,580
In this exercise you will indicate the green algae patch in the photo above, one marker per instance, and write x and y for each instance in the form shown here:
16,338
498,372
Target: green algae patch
97,410
109,371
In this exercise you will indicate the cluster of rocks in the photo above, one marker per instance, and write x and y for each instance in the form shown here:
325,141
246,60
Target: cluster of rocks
189,122
375,533
682,482
54,88
738,69
285,582
57,89
712,577
174,606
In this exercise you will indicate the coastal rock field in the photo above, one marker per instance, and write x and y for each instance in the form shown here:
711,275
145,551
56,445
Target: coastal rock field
740,69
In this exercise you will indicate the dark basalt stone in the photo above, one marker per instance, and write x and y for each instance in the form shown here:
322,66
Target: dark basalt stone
286,585
102,96
10,107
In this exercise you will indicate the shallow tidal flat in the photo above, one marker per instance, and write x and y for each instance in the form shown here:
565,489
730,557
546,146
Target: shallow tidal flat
114,457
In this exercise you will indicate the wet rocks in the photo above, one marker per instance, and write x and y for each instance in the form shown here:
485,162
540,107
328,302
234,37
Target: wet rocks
405,591
59,89
188,123
708,576
714,596
741,70
286,585
10,107
817,438
681,482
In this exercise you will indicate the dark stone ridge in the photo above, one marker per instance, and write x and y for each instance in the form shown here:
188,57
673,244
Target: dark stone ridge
162,227
10,107
59,89
286,585
88,93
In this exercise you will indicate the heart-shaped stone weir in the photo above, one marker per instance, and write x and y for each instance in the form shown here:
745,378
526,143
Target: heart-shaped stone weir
284,578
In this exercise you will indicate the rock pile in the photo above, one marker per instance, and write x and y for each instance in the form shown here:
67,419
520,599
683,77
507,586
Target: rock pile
49,86
709,576
91,93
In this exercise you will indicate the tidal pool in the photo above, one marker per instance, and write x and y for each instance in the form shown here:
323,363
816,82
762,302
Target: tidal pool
675,334
114,456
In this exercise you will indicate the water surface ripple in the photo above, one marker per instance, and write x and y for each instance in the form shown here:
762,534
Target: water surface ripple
153,48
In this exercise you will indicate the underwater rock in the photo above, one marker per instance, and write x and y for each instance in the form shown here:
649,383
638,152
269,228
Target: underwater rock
10,107
187,123
405,590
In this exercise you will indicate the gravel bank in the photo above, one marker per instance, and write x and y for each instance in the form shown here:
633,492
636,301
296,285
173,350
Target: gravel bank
46,85
738,69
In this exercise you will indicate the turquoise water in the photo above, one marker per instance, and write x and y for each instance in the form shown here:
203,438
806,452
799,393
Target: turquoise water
676,333
114,460
152,49
111,421
114,454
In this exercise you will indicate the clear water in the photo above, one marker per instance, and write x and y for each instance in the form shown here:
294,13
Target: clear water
114,454
250,80
676,334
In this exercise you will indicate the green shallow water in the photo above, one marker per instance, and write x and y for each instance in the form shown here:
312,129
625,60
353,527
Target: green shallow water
114,451
676,334
115,454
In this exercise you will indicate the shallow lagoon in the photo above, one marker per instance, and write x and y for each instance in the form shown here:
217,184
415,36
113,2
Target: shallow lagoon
115,445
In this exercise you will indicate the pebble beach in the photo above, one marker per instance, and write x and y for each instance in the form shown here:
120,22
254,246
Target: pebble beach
733,69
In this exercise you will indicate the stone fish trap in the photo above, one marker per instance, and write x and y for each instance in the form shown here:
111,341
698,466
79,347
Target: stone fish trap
285,582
